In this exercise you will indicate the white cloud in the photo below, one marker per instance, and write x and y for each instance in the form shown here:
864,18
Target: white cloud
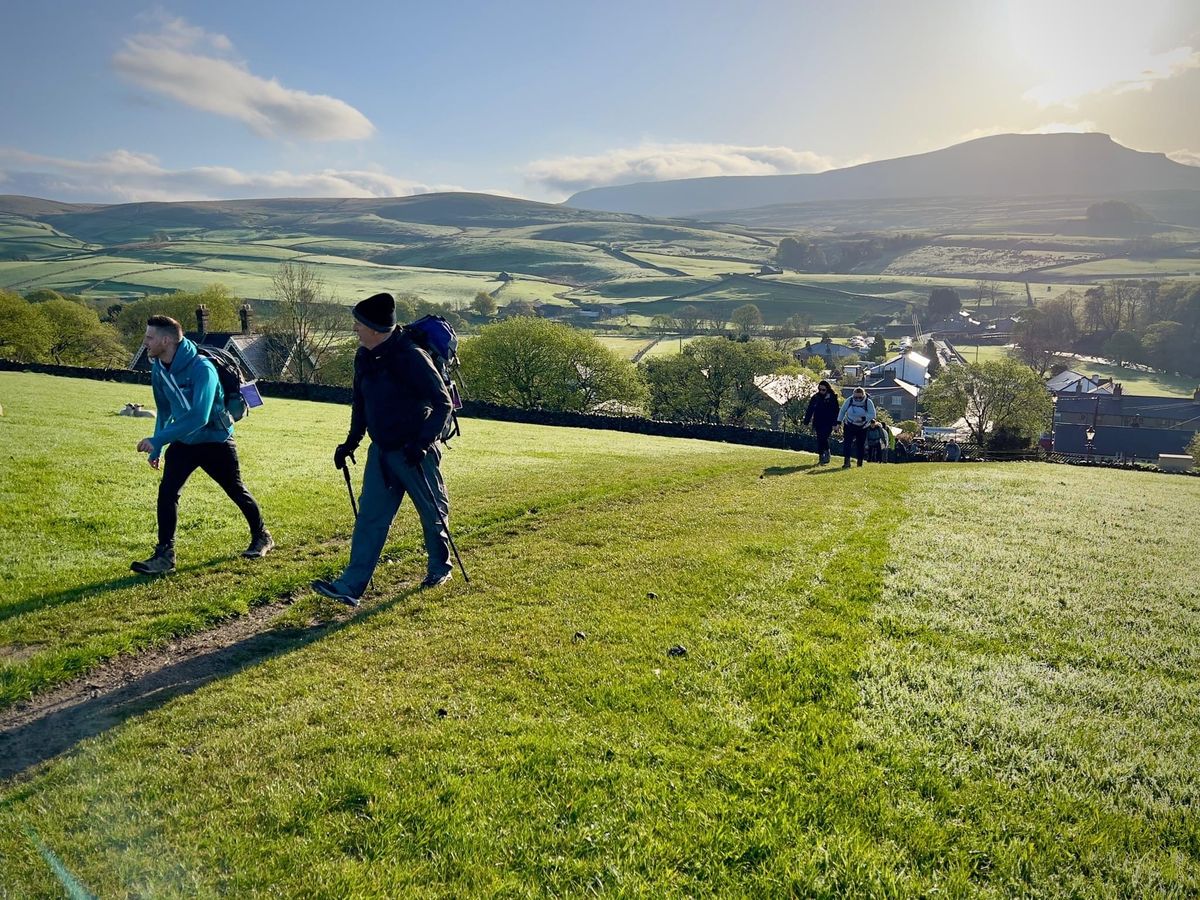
1113,75
663,162
124,176
190,65
1187,157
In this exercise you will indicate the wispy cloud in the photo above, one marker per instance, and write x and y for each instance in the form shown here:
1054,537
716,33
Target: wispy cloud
197,68
1187,157
124,176
1112,74
662,162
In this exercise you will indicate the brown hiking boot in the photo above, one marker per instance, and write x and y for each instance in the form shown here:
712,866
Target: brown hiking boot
161,563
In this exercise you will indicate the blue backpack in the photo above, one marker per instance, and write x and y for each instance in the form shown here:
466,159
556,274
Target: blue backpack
437,337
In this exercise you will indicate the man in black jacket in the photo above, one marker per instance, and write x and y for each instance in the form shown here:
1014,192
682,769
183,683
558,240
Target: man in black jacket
822,413
402,403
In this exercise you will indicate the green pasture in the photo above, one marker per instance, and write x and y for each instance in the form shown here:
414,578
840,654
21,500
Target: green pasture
697,265
1133,268
881,695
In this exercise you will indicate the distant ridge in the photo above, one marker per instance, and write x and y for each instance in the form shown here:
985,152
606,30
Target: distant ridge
1006,165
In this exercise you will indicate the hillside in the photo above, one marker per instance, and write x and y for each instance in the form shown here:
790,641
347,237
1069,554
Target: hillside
1009,165
897,696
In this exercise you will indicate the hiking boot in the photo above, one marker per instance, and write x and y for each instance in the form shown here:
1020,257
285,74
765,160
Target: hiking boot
846,464
432,581
860,463
161,563
824,459
260,546
327,589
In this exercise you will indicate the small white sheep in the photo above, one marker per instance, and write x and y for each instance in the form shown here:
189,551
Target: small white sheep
137,410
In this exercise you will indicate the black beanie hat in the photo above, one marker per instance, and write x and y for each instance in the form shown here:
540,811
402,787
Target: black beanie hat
377,312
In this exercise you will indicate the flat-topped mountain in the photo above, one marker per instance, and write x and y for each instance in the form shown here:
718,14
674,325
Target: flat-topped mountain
1006,165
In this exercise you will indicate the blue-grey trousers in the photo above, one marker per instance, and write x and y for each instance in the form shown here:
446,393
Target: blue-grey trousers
377,506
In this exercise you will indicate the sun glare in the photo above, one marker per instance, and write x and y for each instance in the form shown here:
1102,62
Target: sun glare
1072,50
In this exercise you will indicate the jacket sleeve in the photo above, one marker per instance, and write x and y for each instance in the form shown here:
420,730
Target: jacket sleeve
204,391
162,414
358,415
426,383
810,409
870,408
842,411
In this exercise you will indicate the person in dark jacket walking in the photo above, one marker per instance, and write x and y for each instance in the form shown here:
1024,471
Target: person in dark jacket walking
402,403
855,413
822,415
197,432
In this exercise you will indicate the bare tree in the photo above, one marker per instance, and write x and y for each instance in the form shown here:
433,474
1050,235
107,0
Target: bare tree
308,323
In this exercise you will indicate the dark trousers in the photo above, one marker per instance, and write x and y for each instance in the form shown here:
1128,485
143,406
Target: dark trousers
220,463
856,436
875,453
823,442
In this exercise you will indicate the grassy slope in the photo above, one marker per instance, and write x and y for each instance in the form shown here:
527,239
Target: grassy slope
912,685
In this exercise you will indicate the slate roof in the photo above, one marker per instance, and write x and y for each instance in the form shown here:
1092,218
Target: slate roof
1119,440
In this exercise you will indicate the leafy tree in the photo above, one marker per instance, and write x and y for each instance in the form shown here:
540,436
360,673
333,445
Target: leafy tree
484,304
1167,344
521,308
943,301
222,308
1123,346
1044,333
663,324
24,335
307,324
935,364
1193,448
994,395
712,380
41,295
79,338
878,350
338,366
536,364
688,318
747,319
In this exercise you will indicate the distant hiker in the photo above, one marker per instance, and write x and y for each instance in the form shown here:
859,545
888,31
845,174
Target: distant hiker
856,412
822,414
401,401
197,431
877,441
953,451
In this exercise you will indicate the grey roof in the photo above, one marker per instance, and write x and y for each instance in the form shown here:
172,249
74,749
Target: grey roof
1181,409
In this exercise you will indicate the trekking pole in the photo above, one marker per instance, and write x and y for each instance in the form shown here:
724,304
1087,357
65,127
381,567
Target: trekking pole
350,488
442,520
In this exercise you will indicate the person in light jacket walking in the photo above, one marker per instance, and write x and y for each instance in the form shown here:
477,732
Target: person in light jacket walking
854,415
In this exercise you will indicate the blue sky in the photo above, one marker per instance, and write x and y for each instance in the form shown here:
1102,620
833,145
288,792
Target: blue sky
124,101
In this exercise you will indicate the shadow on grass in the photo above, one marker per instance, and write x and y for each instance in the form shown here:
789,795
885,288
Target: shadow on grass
59,728
774,471
78,592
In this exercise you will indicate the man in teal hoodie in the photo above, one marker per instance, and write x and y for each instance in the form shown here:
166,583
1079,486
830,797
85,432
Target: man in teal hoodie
197,433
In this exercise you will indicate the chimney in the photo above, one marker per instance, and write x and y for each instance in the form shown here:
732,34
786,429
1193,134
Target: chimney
1118,390
245,314
201,322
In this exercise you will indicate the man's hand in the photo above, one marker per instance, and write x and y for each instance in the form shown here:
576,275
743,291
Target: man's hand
155,462
144,446
341,454
414,453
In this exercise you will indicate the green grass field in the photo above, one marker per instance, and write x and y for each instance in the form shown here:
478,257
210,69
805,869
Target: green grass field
899,681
